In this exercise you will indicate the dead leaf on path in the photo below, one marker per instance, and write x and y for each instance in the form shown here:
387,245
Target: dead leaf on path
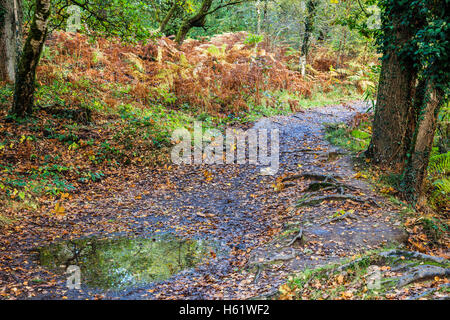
59,210
287,293
208,175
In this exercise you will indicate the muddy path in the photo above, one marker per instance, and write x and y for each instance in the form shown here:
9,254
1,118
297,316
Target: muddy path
257,233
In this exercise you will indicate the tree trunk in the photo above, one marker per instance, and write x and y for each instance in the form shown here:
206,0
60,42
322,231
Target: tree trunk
265,24
258,20
309,28
422,143
341,49
168,16
197,20
394,121
10,38
26,72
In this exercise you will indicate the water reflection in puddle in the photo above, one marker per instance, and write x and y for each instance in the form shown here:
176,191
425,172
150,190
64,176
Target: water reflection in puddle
122,263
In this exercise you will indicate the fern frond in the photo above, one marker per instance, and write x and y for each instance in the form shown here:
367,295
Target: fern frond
440,164
443,185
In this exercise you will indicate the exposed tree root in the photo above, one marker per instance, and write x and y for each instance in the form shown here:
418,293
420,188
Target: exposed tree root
412,254
422,272
313,176
289,184
318,200
341,217
349,264
315,186
303,151
298,237
428,292
259,268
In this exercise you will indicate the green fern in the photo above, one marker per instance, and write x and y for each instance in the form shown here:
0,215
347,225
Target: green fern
440,164
440,196
442,185
438,170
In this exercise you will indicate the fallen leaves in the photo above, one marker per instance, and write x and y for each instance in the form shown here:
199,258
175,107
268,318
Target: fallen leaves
286,292
59,210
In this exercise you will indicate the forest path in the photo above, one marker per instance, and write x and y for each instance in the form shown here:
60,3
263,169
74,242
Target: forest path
251,219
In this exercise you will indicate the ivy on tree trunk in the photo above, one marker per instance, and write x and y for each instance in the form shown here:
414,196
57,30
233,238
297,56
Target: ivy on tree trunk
394,113
413,87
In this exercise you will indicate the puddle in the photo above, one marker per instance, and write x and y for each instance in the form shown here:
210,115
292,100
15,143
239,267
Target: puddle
122,263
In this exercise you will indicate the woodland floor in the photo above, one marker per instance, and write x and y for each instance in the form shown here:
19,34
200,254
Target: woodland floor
253,219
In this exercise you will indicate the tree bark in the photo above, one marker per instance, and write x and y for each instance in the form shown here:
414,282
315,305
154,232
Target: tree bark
422,144
309,28
168,16
258,14
26,72
10,38
265,16
394,121
198,20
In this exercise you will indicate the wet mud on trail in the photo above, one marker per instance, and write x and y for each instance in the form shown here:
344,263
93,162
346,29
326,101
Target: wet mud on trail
258,229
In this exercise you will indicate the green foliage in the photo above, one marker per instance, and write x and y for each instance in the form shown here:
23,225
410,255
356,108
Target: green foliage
124,18
428,48
443,186
439,175
253,39
46,179
355,140
91,176
370,93
440,164
6,93
434,228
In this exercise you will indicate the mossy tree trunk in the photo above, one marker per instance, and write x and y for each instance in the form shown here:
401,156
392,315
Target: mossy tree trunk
311,8
198,20
10,38
394,121
169,15
26,71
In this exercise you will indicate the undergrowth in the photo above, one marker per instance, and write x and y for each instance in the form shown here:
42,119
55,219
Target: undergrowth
104,106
